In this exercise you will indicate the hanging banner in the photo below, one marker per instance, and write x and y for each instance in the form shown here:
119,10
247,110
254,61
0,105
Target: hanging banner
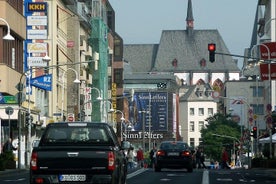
148,109
264,70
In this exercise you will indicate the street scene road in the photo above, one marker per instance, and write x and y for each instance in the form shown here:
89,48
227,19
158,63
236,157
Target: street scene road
148,176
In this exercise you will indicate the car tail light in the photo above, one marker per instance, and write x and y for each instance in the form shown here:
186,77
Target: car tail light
160,153
186,153
33,162
111,161
39,180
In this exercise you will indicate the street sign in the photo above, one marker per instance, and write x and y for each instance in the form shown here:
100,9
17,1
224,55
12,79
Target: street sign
268,50
9,110
264,70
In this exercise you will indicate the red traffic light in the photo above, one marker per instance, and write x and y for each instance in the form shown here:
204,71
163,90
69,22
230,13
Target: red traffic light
254,128
211,47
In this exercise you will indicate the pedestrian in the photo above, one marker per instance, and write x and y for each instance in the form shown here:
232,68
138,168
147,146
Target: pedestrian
8,147
202,159
152,156
198,158
130,158
140,157
224,159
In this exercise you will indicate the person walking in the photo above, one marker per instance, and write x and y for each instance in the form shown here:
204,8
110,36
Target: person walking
202,159
140,158
198,158
224,159
153,156
130,158
8,147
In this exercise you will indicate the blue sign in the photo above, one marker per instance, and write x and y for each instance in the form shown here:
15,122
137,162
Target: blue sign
1,99
150,109
43,82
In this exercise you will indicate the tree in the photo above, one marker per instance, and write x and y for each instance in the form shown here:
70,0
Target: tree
219,124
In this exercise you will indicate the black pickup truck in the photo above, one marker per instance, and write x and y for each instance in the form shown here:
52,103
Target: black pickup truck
78,152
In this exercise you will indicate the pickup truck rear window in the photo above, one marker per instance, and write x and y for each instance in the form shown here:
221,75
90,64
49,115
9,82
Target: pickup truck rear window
81,135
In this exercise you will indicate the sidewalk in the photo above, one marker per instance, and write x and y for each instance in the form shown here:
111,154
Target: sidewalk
12,171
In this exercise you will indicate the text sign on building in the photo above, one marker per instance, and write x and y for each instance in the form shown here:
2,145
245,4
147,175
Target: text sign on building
43,82
36,20
37,47
264,70
37,7
37,34
268,50
36,62
149,109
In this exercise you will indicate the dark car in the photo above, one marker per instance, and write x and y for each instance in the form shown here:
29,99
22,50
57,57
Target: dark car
78,152
174,155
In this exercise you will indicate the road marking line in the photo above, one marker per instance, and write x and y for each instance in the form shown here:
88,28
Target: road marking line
205,177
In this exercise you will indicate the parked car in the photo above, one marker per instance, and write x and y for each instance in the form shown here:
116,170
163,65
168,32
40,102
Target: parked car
173,154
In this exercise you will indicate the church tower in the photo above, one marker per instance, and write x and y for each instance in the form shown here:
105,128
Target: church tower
190,19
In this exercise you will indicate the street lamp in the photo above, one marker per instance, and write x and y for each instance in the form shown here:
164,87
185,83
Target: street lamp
269,104
8,36
105,109
77,81
143,127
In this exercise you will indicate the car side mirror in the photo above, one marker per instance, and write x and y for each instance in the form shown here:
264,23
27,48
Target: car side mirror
35,143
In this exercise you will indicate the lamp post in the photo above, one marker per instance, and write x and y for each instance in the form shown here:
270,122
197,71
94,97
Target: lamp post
269,104
46,58
110,109
8,36
122,120
143,126
63,88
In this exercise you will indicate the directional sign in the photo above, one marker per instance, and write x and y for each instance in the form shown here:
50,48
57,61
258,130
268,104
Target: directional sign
43,82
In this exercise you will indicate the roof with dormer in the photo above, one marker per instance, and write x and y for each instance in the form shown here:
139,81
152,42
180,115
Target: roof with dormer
181,51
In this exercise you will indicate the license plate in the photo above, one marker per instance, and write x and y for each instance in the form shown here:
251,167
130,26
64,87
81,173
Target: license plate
72,177
173,154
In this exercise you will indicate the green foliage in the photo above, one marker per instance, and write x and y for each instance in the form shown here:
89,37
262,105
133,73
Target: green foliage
219,124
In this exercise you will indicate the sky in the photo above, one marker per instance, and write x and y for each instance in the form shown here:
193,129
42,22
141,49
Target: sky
142,21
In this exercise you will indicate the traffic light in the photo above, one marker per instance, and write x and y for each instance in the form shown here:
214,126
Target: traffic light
254,131
212,50
27,118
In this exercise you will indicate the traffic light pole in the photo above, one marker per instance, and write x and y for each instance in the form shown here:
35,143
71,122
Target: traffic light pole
235,55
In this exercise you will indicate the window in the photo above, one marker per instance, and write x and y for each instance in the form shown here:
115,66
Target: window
200,111
192,142
258,91
200,141
118,77
258,109
210,111
192,111
192,126
200,125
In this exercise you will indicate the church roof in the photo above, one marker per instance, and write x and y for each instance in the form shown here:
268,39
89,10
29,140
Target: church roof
189,51
181,51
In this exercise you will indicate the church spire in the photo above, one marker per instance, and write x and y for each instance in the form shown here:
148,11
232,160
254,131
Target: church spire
190,18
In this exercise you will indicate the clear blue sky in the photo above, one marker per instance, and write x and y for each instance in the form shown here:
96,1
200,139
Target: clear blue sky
142,21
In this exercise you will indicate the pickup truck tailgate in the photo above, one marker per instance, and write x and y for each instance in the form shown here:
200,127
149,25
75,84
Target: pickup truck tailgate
73,159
